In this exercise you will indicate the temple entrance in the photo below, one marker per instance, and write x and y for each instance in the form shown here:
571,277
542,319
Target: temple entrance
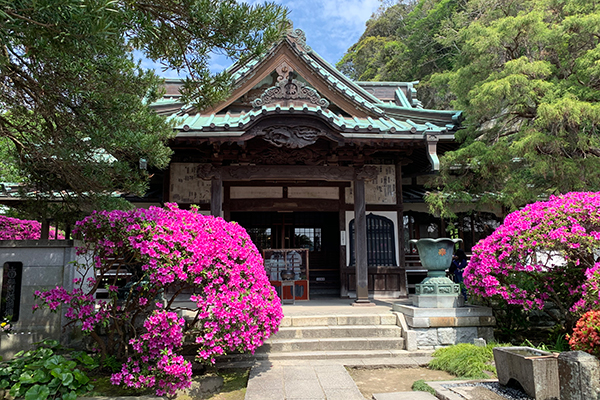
316,231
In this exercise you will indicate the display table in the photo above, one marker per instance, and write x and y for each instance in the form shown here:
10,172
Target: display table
292,261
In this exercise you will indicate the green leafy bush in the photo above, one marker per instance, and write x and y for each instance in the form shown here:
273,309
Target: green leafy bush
44,373
421,386
465,360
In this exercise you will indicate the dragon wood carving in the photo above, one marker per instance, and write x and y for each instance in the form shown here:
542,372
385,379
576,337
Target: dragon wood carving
291,137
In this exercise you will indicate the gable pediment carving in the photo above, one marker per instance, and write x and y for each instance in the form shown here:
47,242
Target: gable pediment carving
289,91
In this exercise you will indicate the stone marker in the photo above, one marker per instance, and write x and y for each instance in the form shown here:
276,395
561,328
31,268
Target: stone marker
479,342
579,376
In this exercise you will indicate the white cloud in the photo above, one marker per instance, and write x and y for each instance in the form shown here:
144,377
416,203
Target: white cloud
331,27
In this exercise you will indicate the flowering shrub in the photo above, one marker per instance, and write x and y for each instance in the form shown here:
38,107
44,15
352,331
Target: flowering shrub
179,261
20,229
544,252
586,335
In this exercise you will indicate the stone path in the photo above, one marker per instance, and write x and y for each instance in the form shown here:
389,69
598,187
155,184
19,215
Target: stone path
315,379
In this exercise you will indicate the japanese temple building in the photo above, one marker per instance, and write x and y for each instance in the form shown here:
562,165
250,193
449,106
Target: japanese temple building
305,158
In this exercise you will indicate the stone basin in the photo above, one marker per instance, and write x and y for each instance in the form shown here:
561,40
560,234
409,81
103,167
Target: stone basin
535,370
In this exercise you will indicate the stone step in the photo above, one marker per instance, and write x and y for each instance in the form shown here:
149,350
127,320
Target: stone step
332,344
391,357
338,331
330,320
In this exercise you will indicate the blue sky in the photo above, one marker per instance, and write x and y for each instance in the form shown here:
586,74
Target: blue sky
331,27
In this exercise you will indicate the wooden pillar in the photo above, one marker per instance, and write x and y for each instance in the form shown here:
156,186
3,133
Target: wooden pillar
45,233
227,203
216,196
342,226
400,214
360,245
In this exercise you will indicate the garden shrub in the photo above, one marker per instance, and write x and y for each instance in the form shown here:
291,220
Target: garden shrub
45,373
169,252
545,252
586,334
21,229
465,360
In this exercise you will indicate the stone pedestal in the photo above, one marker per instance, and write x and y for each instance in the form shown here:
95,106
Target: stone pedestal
435,327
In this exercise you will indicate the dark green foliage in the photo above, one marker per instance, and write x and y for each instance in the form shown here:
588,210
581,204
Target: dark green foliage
47,373
527,76
75,120
465,360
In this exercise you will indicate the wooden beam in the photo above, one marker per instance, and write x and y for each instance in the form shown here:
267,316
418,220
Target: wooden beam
290,172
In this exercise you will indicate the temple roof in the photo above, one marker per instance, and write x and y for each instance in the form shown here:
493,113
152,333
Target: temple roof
292,91
349,106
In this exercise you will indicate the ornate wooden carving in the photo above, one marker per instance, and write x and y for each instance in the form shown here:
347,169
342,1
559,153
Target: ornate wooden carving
290,90
298,38
207,171
367,173
290,137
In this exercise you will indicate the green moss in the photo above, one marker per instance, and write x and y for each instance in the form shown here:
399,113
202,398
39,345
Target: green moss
234,384
421,386
465,360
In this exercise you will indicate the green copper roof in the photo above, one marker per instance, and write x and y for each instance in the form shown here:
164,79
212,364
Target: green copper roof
399,116
237,123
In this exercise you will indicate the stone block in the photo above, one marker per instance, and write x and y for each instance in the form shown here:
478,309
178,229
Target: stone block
486,332
535,370
579,376
467,321
417,322
314,321
486,321
479,342
417,312
446,336
404,396
285,322
388,319
435,301
427,337
358,320
401,321
436,322
410,340
466,334
205,384
50,276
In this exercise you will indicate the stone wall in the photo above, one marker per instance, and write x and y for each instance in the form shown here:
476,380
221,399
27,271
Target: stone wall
438,327
45,265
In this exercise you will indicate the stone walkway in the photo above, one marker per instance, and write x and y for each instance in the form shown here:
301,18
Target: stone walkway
316,379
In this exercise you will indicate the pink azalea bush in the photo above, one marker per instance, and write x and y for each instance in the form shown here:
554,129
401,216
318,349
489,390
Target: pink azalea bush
172,255
20,229
545,252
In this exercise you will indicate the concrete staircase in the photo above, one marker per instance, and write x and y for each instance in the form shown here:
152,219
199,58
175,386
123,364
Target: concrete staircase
329,336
